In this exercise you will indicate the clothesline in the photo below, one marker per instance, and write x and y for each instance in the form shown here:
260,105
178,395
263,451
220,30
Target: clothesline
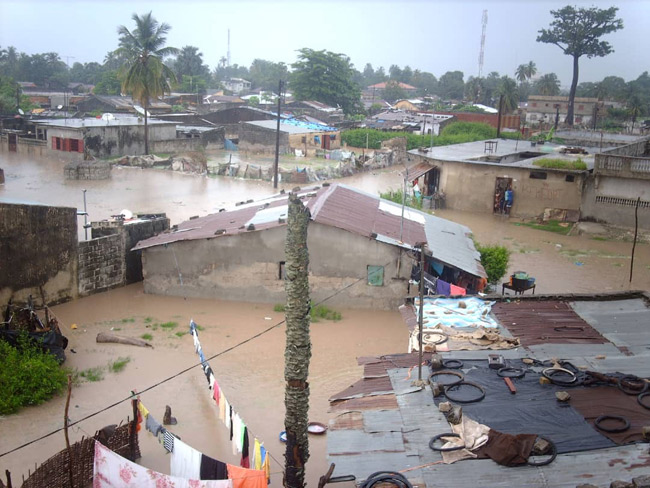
227,414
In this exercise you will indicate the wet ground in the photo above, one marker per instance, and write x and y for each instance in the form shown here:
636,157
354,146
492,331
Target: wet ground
252,374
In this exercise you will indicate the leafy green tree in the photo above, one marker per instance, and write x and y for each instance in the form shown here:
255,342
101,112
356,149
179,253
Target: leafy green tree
425,82
193,84
613,87
393,91
577,32
521,73
326,77
254,101
494,260
395,72
189,62
473,89
109,84
9,90
548,84
145,75
9,58
451,85
265,75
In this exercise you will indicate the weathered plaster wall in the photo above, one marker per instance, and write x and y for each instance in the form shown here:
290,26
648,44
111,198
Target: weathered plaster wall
87,170
471,187
612,200
259,140
110,141
101,264
29,147
38,249
310,142
246,267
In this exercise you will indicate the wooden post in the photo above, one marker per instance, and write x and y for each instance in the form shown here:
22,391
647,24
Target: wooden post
421,314
636,231
277,138
65,431
134,428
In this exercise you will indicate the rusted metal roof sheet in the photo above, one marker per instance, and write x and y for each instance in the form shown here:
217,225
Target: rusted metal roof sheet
418,170
347,421
546,322
379,402
364,388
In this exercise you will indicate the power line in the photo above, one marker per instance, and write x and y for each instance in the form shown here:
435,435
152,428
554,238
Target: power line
183,371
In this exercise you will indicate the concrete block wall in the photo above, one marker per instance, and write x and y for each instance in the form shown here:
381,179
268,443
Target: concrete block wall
98,170
101,264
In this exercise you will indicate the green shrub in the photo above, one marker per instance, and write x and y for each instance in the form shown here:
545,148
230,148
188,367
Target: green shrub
557,163
146,337
169,325
322,312
28,375
278,307
495,261
92,374
396,196
119,364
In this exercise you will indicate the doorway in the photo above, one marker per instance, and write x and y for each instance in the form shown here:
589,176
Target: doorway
431,182
500,187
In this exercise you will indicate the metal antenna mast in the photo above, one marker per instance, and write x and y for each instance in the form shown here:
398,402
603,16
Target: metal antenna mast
228,55
482,52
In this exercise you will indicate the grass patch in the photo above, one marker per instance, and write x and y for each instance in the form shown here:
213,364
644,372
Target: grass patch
128,320
556,163
599,238
92,374
169,325
119,364
148,320
146,337
396,196
550,226
322,312
180,334
116,328
278,307
28,376
199,327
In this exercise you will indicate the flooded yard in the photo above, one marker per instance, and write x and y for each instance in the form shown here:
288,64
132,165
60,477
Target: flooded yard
251,375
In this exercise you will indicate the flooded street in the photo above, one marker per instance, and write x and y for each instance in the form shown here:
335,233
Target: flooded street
251,375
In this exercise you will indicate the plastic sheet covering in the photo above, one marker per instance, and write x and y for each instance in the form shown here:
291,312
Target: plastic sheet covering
532,410
450,313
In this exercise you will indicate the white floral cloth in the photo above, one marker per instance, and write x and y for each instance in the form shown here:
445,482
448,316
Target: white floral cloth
113,471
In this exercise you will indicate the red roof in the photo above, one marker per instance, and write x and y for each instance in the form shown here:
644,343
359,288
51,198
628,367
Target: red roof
382,85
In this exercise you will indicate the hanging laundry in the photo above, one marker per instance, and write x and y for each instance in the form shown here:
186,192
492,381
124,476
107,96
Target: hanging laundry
211,469
223,407
266,463
168,440
143,410
442,288
245,460
456,290
185,461
246,478
216,392
110,470
256,461
152,425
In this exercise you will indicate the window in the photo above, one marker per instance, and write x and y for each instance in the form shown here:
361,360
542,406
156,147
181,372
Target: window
581,107
282,273
538,175
74,145
375,275
570,178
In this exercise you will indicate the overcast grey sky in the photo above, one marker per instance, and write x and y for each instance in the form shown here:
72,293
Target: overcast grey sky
434,36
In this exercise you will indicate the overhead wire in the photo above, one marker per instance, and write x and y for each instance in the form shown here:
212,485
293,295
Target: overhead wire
181,372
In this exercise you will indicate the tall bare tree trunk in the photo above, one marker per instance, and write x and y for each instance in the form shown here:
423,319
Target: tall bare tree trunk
298,346
572,92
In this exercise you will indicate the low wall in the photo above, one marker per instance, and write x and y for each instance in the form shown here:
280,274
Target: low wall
101,264
636,149
176,145
31,147
88,170
38,253
612,200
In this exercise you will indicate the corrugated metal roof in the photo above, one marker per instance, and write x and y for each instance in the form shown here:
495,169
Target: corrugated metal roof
378,402
292,126
547,322
418,170
346,208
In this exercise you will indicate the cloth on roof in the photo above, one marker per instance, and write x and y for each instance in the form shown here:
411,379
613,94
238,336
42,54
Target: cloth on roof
472,435
456,312
185,461
457,340
507,449
442,288
110,470
456,290
246,478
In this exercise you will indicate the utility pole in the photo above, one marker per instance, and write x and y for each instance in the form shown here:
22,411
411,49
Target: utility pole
277,137
499,117
421,314
297,352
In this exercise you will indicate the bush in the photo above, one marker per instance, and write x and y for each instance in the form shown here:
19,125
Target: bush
495,261
556,163
322,312
396,196
28,375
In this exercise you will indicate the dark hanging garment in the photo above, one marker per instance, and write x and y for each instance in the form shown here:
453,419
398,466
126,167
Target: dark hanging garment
230,414
211,469
245,460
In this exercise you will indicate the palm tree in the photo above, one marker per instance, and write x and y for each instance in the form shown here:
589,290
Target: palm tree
522,72
508,89
531,69
145,75
548,84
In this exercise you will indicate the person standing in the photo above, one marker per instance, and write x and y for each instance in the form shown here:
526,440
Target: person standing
509,196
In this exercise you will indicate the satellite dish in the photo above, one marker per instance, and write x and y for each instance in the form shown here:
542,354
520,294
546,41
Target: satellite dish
59,107
140,110
108,117
127,214
20,111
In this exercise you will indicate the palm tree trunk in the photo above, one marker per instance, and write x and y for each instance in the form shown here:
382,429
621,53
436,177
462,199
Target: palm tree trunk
298,345
146,128
572,93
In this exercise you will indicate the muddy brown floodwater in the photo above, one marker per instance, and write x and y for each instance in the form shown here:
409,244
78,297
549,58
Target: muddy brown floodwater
251,375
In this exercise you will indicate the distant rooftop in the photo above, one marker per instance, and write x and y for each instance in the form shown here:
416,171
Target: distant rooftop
382,85
93,122
507,153
293,126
